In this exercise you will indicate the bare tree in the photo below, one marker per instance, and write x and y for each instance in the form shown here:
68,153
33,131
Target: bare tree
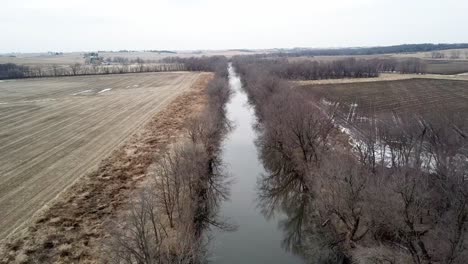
75,68
437,55
455,54
342,198
143,237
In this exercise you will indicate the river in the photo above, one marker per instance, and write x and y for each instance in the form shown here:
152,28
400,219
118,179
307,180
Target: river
257,239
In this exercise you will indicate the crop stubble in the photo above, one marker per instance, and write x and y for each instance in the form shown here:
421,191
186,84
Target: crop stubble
436,100
52,131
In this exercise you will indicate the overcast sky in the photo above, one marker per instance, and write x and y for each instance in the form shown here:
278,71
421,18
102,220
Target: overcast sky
79,25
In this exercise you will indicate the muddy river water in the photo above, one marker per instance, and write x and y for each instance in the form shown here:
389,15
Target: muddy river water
257,239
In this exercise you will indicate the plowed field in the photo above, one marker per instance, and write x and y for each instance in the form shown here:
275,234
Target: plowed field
54,130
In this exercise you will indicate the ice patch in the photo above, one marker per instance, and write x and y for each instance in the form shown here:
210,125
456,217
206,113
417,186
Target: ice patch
105,90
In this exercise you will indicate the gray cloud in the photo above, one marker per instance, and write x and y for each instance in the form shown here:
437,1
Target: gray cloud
28,25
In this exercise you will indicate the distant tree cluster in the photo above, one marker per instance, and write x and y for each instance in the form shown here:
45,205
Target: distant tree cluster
14,71
204,63
405,48
315,70
437,55
163,51
116,65
55,53
336,69
454,54
126,61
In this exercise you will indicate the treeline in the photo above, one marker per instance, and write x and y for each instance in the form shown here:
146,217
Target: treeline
125,61
167,223
14,71
336,69
401,196
208,64
405,48
203,63
453,54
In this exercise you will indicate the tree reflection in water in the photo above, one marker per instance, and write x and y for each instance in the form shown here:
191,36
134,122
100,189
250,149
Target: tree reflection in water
282,192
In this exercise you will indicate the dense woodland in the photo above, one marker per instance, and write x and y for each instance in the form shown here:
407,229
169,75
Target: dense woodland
398,195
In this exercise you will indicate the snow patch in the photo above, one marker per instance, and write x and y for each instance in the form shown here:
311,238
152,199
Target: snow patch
85,91
383,153
105,90
352,111
326,102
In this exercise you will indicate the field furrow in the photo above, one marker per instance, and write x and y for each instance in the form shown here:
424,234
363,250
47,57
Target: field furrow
54,130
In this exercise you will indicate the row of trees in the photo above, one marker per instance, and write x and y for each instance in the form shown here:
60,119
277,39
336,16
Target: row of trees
167,223
13,71
203,63
454,54
400,196
126,61
405,48
209,64
344,68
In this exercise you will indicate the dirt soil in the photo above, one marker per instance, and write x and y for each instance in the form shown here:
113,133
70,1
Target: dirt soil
54,130
71,228
357,104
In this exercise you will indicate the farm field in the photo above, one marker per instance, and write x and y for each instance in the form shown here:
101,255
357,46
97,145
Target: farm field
447,66
384,77
437,99
68,58
55,130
